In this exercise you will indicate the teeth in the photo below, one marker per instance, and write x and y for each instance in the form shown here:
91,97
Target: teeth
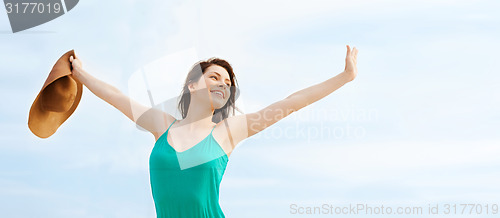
218,93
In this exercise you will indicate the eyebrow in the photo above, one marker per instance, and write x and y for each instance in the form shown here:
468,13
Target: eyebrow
221,76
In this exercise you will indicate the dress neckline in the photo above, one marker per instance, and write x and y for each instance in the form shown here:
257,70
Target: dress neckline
190,148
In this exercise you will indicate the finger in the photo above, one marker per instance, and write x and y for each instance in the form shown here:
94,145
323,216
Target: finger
354,52
348,51
71,58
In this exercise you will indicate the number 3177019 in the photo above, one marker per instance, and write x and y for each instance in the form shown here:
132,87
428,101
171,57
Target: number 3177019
33,8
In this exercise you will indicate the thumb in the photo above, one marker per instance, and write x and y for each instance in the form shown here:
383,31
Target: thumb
71,58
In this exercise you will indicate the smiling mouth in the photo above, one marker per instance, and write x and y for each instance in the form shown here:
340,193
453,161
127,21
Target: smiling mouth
218,93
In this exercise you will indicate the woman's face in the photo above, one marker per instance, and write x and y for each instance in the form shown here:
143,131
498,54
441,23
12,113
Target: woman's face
216,82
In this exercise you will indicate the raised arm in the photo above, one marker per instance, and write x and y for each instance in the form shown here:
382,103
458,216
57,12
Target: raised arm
151,119
246,125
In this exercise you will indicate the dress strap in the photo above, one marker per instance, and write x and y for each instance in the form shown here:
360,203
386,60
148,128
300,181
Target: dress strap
213,128
171,124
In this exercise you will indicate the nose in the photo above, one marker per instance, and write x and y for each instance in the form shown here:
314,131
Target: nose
222,85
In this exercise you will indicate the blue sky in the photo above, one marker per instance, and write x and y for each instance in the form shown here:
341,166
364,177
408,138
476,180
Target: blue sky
418,126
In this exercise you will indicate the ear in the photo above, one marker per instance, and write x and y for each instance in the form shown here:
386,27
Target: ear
191,86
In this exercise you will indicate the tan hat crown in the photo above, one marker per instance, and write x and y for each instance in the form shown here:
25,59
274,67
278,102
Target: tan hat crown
59,95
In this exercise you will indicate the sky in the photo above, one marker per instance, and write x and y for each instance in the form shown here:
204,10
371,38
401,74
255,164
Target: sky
418,127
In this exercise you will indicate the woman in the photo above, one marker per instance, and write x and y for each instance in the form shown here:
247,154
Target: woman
186,165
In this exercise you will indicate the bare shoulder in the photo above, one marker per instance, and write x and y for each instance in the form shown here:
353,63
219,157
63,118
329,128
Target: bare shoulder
232,131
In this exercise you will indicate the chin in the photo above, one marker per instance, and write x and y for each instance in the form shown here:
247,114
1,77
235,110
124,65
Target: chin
219,103
218,106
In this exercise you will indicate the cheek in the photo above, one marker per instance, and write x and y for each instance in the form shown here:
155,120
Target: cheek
207,83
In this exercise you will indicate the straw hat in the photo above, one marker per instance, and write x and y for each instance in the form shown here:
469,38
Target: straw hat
57,100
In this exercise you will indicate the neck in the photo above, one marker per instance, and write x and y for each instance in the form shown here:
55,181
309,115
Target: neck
198,115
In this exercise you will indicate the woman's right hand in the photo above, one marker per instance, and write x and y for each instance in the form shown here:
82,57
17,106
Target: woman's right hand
77,67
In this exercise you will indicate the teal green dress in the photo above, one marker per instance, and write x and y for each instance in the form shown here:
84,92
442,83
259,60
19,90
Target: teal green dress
186,184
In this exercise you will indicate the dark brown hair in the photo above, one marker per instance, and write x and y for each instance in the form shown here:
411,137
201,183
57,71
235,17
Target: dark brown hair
194,75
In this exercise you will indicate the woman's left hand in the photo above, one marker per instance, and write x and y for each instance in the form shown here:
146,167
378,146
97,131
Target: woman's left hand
350,63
